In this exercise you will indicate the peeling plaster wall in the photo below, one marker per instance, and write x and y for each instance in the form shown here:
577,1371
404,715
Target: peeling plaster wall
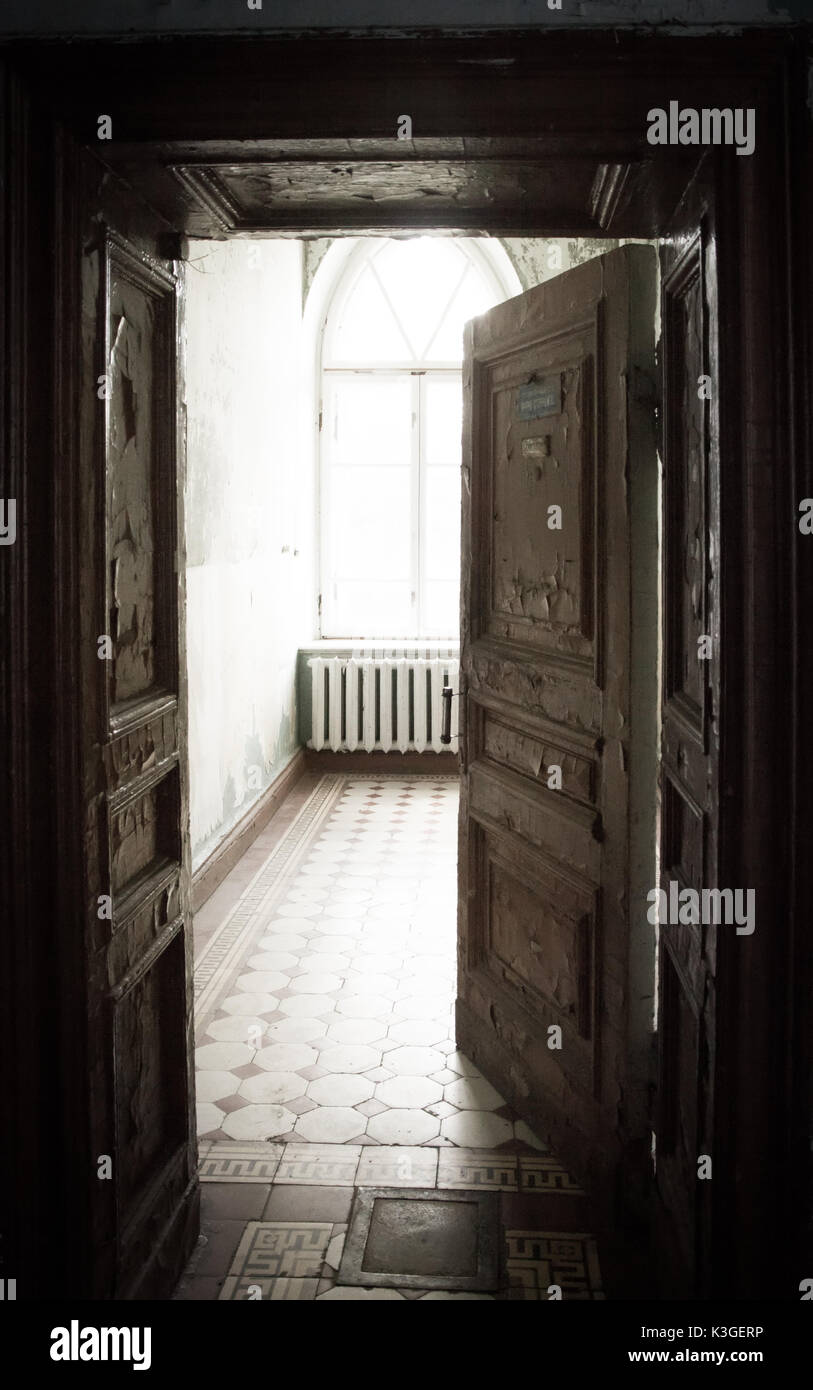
537,259
250,575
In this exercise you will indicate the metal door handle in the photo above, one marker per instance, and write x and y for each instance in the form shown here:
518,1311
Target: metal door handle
446,732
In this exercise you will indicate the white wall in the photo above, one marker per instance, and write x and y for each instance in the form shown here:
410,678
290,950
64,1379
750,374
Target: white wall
249,509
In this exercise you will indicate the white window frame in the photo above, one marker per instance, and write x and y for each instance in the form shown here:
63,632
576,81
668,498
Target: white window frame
492,262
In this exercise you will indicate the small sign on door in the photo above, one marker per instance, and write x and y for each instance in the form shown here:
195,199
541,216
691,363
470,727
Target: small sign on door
540,398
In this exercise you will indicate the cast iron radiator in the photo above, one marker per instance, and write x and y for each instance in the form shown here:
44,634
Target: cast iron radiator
381,703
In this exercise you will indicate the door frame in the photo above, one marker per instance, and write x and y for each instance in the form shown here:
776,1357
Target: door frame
761,214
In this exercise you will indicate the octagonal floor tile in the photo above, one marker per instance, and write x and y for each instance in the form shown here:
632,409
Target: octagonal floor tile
208,1117
414,1061
473,1093
365,1006
331,1125
250,1004
339,1088
223,1056
327,944
259,1122
290,1056
214,1085
262,982
363,983
459,1062
306,1005
280,938
377,964
321,983
356,1030
349,1058
297,912
273,1087
408,1091
414,1006
307,895
338,927
273,960
477,1129
316,964
403,1127
418,1032
238,1028
296,1030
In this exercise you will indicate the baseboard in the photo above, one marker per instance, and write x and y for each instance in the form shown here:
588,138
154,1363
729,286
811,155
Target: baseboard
425,764
233,846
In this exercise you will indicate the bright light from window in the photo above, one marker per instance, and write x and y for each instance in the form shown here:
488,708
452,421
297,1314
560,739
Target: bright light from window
391,422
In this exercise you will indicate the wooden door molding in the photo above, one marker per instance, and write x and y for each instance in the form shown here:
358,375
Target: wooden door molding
131,572
690,734
548,932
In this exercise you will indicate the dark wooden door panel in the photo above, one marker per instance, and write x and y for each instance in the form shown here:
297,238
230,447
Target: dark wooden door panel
690,704
545,935
139,963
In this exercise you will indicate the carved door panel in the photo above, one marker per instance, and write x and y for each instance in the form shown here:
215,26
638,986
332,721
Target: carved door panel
559,451
138,949
689,836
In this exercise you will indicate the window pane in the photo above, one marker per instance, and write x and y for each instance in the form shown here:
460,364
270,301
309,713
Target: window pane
420,276
372,609
370,524
442,524
366,330
444,419
370,420
473,298
441,609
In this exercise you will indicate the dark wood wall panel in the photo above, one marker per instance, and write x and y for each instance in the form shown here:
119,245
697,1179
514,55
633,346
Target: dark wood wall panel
144,830
135,751
139,368
689,787
149,1097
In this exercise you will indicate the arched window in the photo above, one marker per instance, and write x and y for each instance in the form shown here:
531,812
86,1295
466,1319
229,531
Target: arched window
390,429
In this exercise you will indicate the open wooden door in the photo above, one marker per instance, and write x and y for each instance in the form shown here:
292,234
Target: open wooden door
559,720
138,964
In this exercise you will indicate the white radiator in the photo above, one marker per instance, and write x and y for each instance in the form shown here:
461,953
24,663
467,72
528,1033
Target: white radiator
380,704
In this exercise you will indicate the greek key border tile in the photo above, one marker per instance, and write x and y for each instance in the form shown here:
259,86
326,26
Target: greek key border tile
538,1259
545,1174
282,1249
230,1161
477,1169
239,1287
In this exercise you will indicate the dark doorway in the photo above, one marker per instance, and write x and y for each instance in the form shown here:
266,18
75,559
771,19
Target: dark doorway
302,138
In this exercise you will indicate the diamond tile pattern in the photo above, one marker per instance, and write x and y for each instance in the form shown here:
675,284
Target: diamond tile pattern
333,1021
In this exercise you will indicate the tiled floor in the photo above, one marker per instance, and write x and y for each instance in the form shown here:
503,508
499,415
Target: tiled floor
275,1218
327,1068
325,1000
